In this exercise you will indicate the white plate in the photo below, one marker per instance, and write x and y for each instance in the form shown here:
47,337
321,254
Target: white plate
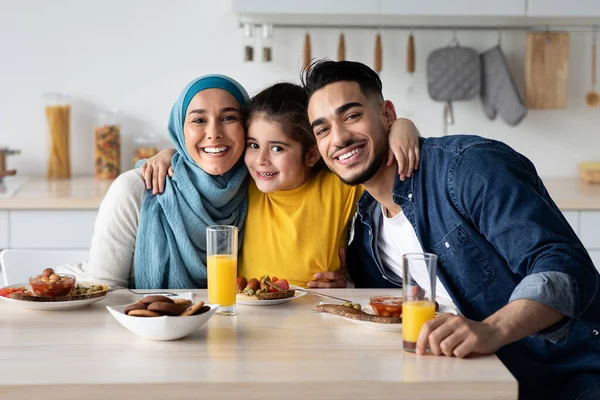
256,302
390,327
53,305
161,328
375,325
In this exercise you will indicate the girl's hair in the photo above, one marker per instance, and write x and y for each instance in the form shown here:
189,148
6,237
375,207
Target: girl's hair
285,103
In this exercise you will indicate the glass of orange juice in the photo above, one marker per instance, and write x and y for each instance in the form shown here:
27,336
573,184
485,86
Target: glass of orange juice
221,262
418,295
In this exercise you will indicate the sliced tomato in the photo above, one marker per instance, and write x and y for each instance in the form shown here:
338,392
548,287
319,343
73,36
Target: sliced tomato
6,292
283,284
274,279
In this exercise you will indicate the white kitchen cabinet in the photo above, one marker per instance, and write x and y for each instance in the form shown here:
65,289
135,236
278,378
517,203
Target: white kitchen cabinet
572,218
40,229
516,8
4,229
589,229
563,8
361,7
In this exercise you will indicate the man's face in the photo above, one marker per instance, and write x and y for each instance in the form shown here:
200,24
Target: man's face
351,131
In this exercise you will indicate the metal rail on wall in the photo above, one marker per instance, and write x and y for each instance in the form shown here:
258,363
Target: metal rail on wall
491,27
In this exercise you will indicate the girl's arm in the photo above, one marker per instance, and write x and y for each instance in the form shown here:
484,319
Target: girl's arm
155,169
404,147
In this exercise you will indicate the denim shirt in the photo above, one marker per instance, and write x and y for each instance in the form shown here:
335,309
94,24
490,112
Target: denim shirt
481,207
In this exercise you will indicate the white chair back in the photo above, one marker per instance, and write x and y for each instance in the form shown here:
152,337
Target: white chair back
19,265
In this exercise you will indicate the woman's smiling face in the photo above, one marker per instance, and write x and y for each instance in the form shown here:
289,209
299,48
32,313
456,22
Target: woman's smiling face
214,131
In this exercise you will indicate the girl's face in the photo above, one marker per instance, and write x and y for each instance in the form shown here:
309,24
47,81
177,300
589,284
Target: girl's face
275,161
213,130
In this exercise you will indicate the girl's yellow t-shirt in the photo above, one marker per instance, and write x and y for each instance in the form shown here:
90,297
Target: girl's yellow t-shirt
296,233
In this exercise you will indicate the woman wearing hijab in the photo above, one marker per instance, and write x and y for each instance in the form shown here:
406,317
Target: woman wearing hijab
149,242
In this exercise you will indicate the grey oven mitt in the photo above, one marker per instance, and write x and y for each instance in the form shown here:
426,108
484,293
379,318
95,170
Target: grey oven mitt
499,94
453,73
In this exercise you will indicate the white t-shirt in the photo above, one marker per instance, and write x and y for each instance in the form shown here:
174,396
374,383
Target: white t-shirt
397,237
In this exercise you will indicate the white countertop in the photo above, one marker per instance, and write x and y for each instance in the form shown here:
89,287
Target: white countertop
38,193
86,193
572,194
286,351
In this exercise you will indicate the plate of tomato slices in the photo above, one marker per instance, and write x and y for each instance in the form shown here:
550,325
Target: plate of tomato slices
24,297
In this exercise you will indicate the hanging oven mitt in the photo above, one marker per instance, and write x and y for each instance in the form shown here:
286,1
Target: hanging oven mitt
453,74
499,94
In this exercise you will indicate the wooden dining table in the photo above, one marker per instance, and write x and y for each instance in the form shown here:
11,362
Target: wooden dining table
285,352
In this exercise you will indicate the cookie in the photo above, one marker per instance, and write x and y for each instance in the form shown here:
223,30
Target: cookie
144,313
138,305
165,308
153,298
184,302
202,310
195,309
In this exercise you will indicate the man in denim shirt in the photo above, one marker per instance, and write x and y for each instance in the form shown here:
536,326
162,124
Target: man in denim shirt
507,257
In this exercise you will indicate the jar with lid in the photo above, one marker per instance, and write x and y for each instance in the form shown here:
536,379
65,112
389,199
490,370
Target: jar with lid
58,116
248,42
267,43
107,135
144,147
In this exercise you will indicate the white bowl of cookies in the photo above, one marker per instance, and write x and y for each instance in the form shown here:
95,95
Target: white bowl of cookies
163,318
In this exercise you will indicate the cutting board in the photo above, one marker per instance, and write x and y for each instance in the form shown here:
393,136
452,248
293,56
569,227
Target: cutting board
547,70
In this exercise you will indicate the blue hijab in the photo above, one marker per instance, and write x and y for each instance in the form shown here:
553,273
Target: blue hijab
170,247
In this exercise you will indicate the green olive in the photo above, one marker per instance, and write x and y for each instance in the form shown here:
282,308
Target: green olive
357,307
347,304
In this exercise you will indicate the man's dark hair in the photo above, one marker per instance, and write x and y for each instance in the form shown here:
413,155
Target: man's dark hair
321,73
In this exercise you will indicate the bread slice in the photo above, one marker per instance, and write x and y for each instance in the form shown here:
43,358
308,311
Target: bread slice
351,313
46,299
283,294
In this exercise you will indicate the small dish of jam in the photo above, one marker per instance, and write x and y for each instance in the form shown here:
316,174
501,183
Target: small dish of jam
386,306
51,284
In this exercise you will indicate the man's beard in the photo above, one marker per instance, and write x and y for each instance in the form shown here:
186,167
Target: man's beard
368,172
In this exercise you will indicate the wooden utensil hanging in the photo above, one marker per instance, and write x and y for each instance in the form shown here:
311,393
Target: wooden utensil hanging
378,54
341,55
410,54
592,98
307,50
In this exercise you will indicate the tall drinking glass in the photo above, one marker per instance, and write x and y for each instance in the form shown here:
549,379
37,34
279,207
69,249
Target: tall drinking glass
221,260
418,304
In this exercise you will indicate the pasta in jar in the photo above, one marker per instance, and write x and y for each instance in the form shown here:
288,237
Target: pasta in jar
108,151
59,162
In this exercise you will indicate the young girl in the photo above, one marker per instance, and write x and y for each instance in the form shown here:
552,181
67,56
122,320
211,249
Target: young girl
298,211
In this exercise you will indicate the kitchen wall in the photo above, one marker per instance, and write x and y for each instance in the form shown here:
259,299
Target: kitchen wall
136,55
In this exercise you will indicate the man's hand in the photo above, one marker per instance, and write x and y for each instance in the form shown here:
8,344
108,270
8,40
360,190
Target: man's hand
329,279
453,335
460,337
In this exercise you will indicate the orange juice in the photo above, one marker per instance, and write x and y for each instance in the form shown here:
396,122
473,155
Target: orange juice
222,273
414,315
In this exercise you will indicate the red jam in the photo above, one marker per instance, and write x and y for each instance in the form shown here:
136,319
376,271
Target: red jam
52,286
387,306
